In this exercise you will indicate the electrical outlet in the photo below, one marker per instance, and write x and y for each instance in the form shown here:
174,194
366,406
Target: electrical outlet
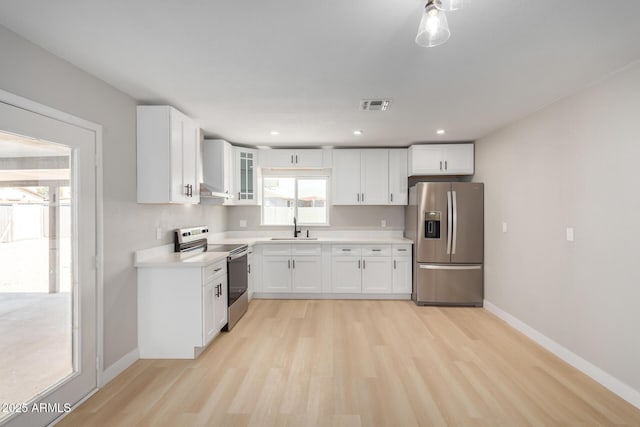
570,234
158,233
383,223
243,223
504,227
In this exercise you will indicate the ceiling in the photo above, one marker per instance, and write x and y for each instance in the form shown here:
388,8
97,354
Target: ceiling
245,68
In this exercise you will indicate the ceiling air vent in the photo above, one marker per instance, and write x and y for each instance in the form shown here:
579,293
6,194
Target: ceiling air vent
375,104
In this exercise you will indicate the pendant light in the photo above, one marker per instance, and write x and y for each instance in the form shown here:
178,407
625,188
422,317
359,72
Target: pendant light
449,4
433,29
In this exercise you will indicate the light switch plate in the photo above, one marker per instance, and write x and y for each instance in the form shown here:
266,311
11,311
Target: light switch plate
570,234
383,223
504,227
243,223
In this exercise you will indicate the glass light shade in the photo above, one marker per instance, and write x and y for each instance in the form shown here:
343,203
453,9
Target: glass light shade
433,29
449,4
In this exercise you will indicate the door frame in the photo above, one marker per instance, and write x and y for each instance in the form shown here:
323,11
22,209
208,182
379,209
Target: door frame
43,110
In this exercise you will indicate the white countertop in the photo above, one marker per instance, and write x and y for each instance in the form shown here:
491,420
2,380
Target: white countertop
174,259
250,240
163,256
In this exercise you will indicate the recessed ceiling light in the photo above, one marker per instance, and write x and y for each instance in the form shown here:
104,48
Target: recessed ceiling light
440,131
357,132
275,133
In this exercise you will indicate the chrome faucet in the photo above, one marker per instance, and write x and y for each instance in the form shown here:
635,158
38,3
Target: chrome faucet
295,228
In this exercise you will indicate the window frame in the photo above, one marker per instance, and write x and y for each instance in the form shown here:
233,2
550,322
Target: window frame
296,175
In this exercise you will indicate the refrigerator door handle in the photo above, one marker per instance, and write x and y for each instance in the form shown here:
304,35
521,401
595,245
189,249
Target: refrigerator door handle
449,222
455,222
450,267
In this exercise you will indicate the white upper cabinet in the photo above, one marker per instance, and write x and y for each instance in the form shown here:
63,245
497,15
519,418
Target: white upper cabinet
441,159
168,145
217,166
374,177
245,176
398,189
345,177
291,159
369,177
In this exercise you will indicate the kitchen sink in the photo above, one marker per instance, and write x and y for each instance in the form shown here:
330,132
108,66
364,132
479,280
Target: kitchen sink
294,238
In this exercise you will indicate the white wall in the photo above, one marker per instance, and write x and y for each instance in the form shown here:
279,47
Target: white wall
574,163
33,73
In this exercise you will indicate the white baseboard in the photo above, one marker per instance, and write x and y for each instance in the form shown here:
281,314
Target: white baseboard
296,295
117,368
607,380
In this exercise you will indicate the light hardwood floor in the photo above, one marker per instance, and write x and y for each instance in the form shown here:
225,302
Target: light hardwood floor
352,363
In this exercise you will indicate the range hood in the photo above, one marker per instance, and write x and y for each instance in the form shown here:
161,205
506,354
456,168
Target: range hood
208,192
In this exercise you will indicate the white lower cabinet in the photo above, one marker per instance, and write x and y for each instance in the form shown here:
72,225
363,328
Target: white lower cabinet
361,269
367,269
292,268
208,310
221,305
276,273
376,275
402,269
180,309
346,274
306,274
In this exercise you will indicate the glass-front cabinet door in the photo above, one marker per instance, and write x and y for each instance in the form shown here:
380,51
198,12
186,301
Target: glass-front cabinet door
245,175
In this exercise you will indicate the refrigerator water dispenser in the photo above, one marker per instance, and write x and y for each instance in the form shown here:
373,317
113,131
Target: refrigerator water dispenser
432,225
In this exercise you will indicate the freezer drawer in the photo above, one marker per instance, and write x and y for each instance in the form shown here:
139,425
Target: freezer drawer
448,285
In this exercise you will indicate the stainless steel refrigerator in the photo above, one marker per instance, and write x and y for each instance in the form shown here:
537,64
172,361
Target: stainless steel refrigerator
446,222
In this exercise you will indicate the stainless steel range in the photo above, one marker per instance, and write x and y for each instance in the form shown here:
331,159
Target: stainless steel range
237,281
194,239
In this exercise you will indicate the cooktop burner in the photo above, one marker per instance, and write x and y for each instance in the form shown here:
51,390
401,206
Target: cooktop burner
232,249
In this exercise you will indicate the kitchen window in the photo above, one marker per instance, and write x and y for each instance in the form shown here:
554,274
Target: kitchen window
303,197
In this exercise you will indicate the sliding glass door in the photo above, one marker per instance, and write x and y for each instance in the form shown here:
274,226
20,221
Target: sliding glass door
48,343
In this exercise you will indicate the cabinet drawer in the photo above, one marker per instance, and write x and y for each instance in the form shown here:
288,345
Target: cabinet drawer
401,250
376,250
215,270
305,249
276,249
346,250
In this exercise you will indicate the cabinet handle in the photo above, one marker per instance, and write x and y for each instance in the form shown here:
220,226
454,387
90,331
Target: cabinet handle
186,190
440,164
249,268
358,263
289,264
358,196
363,197
445,165
392,197
292,159
296,159
394,264
294,263
376,250
364,265
346,250
217,269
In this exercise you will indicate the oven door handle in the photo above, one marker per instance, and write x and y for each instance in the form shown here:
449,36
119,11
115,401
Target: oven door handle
238,255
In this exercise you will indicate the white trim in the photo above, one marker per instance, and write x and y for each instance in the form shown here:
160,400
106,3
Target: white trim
36,107
120,366
73,408
607,380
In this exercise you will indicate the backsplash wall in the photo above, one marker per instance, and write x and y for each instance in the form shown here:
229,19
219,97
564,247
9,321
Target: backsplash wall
340,217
